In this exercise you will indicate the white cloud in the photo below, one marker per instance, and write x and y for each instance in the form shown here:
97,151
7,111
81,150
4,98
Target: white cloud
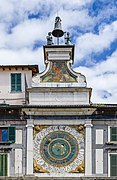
11,9
89,42
24,32
6,10
102,78
22,56
76,18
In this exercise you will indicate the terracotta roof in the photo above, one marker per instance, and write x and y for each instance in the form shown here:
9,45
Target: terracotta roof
34,68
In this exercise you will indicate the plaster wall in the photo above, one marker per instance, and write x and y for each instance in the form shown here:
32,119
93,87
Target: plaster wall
6,95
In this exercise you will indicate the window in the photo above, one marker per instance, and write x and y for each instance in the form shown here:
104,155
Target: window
7,134
113,164
3,164
113,133
16,82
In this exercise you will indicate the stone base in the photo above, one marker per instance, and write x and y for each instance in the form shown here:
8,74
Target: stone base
57,178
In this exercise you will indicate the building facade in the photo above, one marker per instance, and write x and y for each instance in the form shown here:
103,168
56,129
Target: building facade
48,125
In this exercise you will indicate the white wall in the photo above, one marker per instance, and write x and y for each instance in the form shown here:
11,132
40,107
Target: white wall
99,161
99,136
59,98
18,136
5,86
18,162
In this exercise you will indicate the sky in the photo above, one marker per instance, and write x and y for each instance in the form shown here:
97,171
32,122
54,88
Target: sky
92,24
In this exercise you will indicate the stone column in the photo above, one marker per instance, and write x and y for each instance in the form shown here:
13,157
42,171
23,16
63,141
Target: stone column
88,148
29,167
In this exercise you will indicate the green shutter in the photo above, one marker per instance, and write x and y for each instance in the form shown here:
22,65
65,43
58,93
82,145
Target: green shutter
16,82
3,164
113,133
12,82
113,164
11,134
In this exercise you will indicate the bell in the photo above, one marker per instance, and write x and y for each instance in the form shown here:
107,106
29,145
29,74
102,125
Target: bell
57,32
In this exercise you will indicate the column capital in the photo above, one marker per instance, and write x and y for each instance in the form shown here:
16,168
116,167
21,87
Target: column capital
88,123
29,123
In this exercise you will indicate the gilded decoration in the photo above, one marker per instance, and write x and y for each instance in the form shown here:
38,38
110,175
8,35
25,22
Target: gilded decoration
38,168
79,128
59,149
79,169
37,129
58,72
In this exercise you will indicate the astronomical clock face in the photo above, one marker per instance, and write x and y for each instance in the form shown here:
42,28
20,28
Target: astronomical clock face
58,149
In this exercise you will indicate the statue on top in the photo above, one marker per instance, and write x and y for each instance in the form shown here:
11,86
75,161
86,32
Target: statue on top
68,39
49,39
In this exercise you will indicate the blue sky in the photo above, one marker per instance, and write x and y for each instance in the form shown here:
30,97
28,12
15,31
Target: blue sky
92,24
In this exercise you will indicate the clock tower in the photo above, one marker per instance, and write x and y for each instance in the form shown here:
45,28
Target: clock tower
58,134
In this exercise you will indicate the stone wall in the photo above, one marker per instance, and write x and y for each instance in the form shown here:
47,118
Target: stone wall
57,178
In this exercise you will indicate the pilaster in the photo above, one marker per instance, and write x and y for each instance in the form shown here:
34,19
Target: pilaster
88,148
29,167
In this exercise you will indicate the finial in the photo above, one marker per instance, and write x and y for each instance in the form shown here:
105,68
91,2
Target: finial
58,32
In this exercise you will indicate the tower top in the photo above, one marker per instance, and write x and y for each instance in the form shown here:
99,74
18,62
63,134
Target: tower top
57,33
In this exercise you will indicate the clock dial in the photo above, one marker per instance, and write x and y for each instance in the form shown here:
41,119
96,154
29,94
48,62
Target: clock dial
59,148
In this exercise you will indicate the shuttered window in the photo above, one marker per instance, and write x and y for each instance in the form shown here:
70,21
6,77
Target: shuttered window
11,134
16,82
7,134
113,164
3,164
113,134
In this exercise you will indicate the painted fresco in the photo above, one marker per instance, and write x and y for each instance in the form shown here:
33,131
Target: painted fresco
58,72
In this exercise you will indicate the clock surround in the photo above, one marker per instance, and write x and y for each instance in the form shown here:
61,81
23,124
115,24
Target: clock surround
59,149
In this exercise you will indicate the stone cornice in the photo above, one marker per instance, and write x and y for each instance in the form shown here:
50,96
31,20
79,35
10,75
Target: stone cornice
59,89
